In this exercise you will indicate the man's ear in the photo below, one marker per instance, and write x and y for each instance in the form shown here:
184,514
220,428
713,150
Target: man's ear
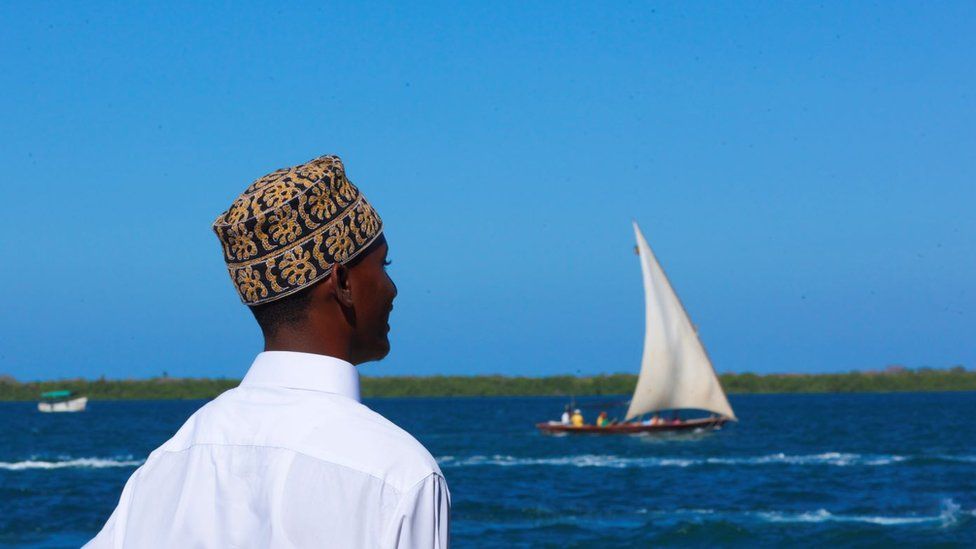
339,278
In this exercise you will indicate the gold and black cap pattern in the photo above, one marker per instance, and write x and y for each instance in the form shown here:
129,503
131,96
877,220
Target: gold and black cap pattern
288,228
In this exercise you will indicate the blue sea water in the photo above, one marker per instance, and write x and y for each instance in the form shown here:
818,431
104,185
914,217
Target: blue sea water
797,470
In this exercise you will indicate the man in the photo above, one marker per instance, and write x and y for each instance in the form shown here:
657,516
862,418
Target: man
290,458
602,420
577,418
565,417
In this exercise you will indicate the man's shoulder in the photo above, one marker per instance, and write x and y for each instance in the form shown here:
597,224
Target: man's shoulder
326,427
373,443
379,444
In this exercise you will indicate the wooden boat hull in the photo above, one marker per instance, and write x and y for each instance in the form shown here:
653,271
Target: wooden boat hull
632,428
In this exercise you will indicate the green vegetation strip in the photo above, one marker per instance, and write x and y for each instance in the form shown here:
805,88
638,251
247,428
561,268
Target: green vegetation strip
923,379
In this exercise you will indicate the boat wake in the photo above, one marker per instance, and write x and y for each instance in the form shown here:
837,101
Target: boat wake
837,459
77,463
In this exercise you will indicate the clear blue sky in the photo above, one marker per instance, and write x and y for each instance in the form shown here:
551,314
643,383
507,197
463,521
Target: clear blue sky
805,172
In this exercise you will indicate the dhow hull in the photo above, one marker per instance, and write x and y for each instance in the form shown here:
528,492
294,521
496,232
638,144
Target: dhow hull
632,428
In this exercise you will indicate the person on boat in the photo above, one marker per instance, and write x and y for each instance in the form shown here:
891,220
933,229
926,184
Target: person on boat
291,457
675,418
577,419
565,420
602,420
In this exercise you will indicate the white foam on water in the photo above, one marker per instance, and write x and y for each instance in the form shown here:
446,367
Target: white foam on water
78,463
835,459
586,460
949,516
839,459
822,515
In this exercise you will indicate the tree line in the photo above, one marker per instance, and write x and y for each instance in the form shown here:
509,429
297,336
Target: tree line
899,380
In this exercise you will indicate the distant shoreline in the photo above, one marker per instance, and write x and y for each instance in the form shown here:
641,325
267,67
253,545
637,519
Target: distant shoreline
891,380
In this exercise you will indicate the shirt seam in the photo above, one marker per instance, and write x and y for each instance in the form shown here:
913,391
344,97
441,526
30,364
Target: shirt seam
393,519
423,480
295,388
318,459
373,416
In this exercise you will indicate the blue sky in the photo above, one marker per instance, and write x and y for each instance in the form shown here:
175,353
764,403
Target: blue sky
804,172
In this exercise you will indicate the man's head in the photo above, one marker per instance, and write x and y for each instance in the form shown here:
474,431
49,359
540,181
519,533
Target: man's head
346,314
306,252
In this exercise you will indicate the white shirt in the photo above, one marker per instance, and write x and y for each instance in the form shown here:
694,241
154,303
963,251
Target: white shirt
290,458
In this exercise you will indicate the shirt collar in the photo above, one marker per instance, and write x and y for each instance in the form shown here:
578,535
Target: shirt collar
304,371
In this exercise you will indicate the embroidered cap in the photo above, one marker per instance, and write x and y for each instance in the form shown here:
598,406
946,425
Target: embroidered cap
288,228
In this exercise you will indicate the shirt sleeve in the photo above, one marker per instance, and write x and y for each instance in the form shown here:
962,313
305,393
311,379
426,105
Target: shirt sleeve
422,517
109,536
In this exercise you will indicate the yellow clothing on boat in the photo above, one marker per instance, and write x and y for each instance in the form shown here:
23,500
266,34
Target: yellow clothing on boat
577,420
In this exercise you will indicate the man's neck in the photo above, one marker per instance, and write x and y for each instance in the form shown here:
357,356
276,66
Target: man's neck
301,343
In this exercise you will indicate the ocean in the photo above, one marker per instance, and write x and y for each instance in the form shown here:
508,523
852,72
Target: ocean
837,470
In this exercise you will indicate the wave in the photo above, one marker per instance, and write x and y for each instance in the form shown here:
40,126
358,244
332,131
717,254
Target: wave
950,514
615,462
77,463
822,515
838,459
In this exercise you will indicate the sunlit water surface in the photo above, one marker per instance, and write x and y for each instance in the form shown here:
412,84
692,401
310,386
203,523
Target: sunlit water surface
798,470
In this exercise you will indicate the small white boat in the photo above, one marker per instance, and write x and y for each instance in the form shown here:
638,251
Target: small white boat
61,401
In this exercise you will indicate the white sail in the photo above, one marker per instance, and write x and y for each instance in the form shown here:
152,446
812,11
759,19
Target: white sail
675,370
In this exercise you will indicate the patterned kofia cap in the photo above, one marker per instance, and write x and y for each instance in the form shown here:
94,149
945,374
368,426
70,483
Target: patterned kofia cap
288,228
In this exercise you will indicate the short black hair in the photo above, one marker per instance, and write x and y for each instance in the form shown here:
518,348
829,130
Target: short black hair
294,308
287,310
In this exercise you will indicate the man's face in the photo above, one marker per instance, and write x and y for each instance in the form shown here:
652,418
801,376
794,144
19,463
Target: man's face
373,293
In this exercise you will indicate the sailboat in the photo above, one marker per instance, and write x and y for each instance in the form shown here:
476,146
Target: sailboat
676,373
